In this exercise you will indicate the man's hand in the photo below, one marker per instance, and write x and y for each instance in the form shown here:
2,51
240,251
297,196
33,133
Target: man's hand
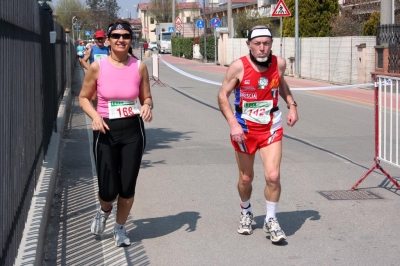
292,116
237,133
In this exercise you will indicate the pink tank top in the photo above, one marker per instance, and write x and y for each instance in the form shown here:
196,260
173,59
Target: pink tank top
117,83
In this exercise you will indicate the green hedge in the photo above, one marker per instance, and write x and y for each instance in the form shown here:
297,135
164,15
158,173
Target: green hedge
182,47
209,48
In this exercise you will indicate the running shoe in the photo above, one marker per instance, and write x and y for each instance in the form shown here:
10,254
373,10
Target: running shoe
245,224
274,230
120,237
99,221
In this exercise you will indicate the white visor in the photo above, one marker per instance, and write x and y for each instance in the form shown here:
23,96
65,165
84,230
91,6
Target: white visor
260,33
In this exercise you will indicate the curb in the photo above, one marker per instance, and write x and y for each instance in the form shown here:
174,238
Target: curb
31,248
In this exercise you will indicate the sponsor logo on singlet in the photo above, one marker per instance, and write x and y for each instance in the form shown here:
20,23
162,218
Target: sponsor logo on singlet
274,83
274,93
246,82
248,88
248,95
262,83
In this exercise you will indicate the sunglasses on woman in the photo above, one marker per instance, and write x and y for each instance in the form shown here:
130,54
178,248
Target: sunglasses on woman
125,36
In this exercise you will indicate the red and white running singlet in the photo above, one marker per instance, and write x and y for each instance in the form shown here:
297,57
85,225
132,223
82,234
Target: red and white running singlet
257,99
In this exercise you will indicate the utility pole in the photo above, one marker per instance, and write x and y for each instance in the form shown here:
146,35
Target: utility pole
173,11
387,8
205,30
296,40
230,19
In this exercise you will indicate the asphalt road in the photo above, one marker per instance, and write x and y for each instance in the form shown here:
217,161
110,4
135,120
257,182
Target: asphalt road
186,208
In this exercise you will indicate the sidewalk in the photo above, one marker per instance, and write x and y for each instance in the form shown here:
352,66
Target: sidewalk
186,210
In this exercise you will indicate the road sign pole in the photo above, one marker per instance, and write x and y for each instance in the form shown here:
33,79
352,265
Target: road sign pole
204,12
280,48
215,47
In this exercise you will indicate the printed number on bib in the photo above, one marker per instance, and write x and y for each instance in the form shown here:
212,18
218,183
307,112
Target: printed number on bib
99,56
257,112
122,109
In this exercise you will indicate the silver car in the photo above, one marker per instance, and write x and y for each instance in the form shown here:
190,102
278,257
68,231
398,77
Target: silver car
153,46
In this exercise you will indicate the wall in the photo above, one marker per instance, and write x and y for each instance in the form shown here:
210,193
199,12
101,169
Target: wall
333,59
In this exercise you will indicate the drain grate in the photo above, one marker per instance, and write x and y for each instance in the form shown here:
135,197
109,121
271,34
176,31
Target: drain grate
349,195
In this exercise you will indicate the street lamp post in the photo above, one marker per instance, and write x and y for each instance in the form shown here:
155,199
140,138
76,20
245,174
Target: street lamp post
74,19
146,22
129,13
135,6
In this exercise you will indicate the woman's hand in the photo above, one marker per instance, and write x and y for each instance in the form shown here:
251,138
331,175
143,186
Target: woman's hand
145,113
98,124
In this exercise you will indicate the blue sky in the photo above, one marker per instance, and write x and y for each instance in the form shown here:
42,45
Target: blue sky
124,4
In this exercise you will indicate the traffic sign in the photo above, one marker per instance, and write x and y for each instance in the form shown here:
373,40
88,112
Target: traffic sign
178,27
171,29
215,22
281,10
87,32
178,21
200,24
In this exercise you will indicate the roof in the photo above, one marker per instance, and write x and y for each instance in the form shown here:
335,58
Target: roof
189,5
181,5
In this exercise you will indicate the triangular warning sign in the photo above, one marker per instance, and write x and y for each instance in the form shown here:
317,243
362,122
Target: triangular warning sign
178,21
281,10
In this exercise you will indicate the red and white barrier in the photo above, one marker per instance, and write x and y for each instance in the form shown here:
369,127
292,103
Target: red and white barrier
156,71
386,126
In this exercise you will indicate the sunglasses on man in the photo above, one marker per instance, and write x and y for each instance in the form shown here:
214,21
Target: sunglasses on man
116,36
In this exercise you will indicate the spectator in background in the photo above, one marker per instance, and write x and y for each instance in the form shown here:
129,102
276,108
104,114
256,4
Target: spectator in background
89,44
80,50
145,46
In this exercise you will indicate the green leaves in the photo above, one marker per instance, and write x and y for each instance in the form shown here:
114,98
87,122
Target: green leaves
97,15
314,17
244,21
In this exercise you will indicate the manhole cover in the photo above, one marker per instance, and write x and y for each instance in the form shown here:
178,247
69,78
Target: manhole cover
349,195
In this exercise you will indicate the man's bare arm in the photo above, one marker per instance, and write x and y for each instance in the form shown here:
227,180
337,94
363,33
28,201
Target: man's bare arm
286,94
85,59
231,81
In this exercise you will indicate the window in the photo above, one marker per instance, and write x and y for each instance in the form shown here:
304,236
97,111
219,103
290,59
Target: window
380,57
187,19
151,20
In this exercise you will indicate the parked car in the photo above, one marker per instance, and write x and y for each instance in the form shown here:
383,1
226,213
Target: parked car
153,46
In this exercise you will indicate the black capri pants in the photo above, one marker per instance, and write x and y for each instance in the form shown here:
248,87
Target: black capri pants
118,155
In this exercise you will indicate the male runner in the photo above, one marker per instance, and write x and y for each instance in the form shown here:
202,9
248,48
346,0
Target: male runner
256,80
96,51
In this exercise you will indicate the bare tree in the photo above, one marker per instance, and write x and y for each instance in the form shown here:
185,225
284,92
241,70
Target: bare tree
162,10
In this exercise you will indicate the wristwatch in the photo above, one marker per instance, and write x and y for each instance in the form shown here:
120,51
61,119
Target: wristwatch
150,105
291,103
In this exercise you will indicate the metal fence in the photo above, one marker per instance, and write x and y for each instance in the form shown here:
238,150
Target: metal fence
32,83
387,108
390,35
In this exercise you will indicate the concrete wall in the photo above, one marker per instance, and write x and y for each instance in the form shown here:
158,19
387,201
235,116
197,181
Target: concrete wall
333,59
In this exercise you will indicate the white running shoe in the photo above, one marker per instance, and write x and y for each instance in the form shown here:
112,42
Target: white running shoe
274,230
245,224
120,237
99,221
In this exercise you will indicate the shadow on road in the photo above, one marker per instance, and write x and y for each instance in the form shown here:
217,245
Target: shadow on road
290,222
160,226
